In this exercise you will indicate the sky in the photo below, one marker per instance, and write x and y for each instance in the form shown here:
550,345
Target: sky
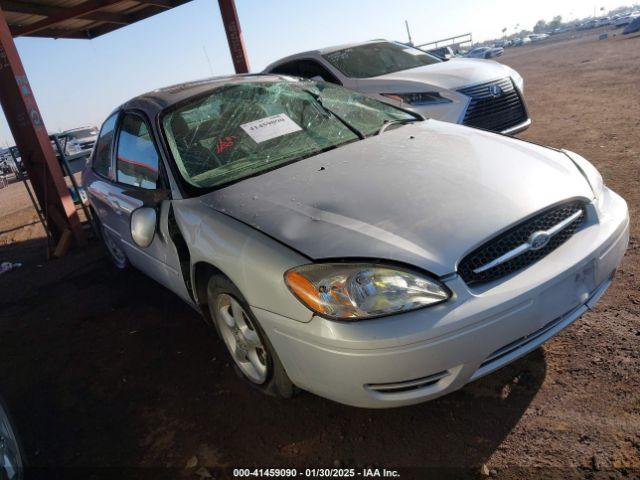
79,82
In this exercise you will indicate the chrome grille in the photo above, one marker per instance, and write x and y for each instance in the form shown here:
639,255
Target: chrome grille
494,112
471,267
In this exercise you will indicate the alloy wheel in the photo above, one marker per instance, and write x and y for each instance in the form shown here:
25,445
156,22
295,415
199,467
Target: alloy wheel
242,338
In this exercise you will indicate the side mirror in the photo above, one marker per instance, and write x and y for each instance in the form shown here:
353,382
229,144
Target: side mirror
143,226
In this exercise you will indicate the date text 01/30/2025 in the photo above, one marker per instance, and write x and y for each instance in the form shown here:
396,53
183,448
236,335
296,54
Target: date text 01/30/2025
316,472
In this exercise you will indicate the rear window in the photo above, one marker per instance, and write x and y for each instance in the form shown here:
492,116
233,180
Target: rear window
375,59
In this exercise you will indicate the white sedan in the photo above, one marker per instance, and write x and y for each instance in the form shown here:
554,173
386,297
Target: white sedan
477,93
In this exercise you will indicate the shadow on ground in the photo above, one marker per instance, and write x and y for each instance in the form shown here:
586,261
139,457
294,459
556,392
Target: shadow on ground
104,369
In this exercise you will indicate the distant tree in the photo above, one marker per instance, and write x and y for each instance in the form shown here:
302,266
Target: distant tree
555,23
539,27
504,31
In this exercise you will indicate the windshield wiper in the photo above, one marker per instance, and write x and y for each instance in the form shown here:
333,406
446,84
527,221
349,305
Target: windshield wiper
318,99
387,123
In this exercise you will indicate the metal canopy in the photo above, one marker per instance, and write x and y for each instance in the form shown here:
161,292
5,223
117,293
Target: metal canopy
78,19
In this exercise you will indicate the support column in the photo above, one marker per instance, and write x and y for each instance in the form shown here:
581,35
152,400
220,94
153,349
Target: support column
30,134
234,35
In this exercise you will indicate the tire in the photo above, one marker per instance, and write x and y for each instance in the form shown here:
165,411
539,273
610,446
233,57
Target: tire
114,251
253,355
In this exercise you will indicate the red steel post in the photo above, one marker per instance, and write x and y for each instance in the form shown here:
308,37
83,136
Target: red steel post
234,35
30,134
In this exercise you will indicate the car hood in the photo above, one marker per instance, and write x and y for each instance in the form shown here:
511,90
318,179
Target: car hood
422,194
452,74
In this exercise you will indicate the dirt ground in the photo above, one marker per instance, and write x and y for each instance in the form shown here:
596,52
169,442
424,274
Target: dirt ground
109,375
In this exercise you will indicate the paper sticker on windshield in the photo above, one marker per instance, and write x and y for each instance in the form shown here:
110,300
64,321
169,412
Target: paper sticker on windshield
270,127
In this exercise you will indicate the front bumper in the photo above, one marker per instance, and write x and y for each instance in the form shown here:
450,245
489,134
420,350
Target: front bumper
517,128
420,355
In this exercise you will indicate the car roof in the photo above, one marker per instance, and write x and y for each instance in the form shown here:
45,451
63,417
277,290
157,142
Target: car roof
79,129
154,102
323,51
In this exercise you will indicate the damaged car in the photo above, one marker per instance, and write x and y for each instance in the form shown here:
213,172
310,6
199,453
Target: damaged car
474,92
347,247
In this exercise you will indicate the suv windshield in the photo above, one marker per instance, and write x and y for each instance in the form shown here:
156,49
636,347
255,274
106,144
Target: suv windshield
240,130
76,134
374,59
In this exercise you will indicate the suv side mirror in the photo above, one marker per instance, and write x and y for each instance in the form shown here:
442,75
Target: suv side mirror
143,226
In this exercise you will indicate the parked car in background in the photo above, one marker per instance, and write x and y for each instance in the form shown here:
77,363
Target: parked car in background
485,52
518,42
443,53
346,246
603,21
588,24
78,142
625,20
633,26
460,90
11,457
537,37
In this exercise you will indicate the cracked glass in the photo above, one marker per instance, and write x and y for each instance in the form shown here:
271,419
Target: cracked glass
240,130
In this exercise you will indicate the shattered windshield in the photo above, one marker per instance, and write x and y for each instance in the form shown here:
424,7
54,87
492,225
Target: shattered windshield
241,130
375,59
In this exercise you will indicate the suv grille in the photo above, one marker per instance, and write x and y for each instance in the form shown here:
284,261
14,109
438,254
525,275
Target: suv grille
515,237
495,111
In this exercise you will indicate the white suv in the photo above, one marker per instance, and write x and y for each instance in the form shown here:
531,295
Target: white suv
477,93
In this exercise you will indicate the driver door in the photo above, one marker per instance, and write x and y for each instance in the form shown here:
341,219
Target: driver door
138,172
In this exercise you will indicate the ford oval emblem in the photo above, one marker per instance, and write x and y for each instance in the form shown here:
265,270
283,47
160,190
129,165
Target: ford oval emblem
539,240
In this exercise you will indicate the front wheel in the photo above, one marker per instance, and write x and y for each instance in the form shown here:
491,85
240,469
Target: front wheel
246,342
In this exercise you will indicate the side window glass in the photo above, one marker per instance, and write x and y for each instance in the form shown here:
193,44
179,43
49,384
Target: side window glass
137,158
102,157
312,69
290,68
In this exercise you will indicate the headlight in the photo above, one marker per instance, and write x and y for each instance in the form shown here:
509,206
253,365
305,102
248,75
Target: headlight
420,98
73,148
590,173
353,291
517,79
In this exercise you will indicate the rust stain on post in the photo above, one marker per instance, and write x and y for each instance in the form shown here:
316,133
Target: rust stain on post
234,35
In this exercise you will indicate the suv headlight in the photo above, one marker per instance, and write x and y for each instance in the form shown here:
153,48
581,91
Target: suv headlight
590,173
354,291
518,80
73,147
419,98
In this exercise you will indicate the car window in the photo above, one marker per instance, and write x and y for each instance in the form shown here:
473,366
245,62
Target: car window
289,68
374,59
306,68
311,69
102,156
244,129
137,158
